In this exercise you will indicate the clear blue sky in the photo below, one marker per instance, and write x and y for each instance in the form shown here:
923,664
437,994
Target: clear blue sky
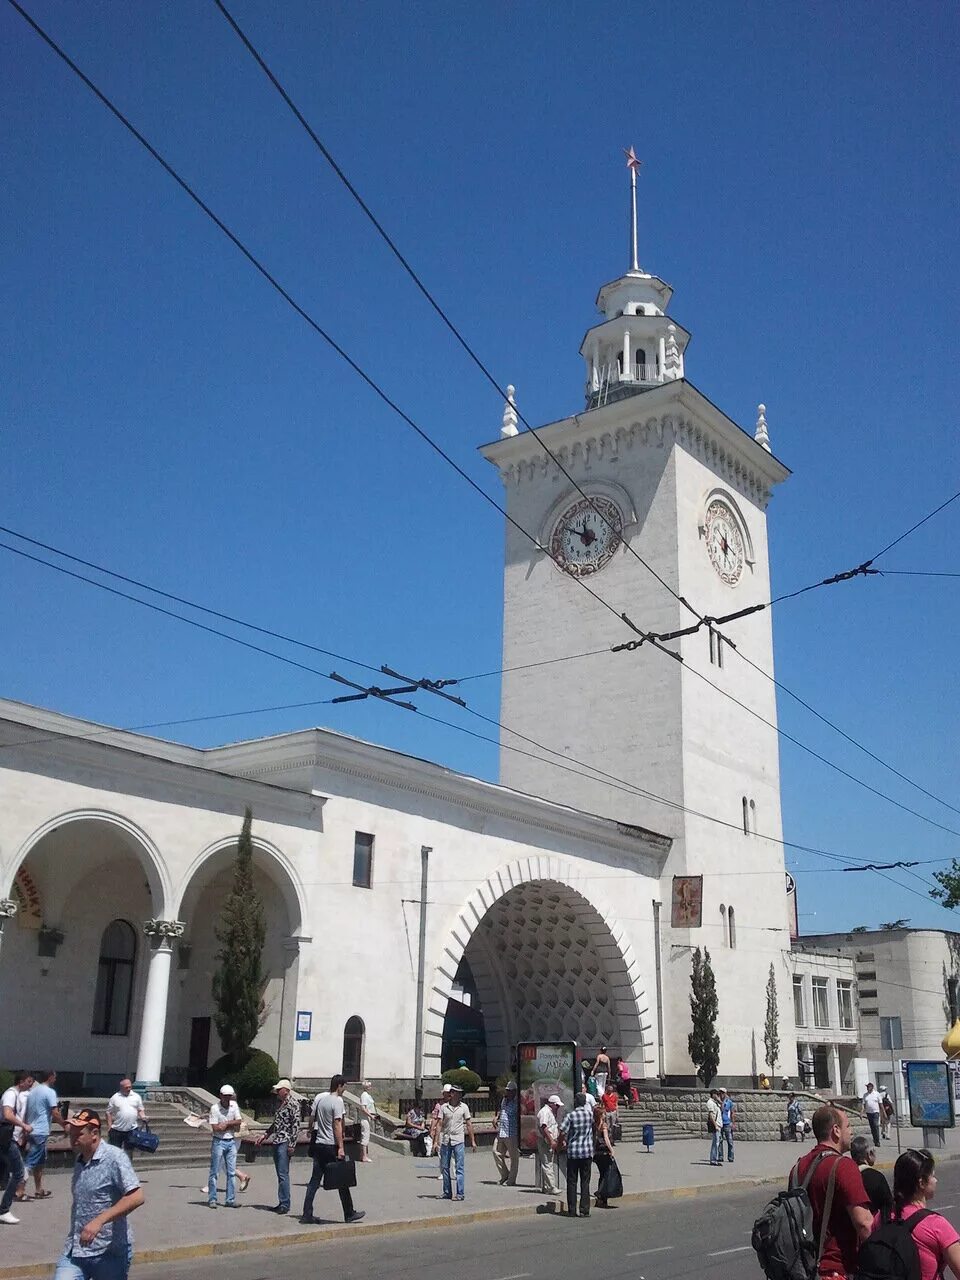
163,412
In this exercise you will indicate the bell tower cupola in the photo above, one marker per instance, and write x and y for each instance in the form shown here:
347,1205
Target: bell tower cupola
636,346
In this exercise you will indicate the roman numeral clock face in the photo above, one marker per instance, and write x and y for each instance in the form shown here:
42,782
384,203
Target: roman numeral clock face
724,542
586,535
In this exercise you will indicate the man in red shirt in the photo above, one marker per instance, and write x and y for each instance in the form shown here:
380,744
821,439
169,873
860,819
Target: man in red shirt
850,1218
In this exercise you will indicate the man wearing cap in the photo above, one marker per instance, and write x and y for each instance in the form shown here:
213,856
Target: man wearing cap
506,1147
454,1122
368,1113
548,1144
225,1120
106,1189
282,1136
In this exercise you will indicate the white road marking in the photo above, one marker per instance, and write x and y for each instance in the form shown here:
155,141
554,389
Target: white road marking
941,1207
664,1248
741,1248
521,1275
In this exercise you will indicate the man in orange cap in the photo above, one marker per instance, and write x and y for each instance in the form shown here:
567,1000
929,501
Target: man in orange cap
99,1244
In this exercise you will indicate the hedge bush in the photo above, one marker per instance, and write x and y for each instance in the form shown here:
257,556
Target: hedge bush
6,1079
253,1075
468,1080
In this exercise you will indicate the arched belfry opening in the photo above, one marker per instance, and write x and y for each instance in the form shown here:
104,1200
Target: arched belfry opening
541,963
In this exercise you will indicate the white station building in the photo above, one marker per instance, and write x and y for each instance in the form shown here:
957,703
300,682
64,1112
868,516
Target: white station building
563,903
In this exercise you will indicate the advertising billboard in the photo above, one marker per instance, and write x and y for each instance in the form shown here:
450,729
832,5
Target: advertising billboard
542,1070
930,1094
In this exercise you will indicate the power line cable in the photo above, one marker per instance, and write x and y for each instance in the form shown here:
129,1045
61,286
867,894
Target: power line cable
914,527
917,573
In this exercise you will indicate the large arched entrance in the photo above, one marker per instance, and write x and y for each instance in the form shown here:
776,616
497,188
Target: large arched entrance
539,961
74,960
191,1043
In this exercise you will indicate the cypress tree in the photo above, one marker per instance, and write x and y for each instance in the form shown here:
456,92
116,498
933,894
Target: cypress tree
703,1042
771,1029
241,933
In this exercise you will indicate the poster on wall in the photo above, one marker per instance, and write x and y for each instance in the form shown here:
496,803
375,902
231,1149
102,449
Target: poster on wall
686,910
543,1070
930,1095
304,1024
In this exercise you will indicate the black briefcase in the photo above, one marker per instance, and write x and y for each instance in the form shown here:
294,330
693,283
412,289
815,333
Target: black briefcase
338,1175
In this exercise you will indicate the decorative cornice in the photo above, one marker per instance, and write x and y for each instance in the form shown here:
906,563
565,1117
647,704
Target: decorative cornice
164,929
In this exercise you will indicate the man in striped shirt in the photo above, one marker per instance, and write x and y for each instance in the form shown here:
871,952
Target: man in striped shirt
577,1130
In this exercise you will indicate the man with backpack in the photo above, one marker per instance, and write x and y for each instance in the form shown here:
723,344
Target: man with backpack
814,1229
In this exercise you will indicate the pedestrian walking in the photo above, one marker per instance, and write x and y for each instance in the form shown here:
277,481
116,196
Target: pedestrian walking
864,1155
12,1173
326,1144
282,1135
936,1240
601,1070
624,1084
611,1112
836,1192
728,1114
577,1130
887,1113
106,1190
225,1120
42,1108
796,1123
872,1108
368,1114
548,1145
602,1153
452,1126
125,1113
506,1145
715,1127
434,1118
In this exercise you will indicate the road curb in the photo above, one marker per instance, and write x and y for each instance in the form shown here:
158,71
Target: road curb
254,1244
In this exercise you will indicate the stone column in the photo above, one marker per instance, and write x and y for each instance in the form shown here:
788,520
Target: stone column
627,371
153,1024
835,1071
8,909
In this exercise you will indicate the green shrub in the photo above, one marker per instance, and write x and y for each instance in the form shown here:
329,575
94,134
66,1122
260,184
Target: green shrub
253,1076
6,1079
468,1080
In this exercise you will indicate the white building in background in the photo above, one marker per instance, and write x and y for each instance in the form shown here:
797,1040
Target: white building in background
556,924
826,1016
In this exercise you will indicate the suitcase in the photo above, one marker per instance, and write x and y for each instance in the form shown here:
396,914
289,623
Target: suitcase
339,1175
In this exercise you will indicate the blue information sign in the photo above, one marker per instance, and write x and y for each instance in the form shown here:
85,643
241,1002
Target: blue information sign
930,1095
304,1024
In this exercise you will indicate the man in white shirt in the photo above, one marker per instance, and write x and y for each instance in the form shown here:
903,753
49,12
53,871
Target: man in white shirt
872,1107
124,1113
12,1174
368,1113
548,1144
452,1125
225,1120
326,1143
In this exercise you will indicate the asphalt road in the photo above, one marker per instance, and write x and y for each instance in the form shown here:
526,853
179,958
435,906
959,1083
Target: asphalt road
663,1240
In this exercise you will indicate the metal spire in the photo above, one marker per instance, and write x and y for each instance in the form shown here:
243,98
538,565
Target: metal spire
633,164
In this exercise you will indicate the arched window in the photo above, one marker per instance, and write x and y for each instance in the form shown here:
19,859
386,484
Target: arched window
746,817
640,359
732,928
111,1004
353,1034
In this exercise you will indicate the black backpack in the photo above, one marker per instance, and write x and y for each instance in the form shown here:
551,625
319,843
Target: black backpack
890,1253
783,1237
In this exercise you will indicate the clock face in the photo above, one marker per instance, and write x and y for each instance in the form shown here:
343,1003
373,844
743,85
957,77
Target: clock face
586,535
724,542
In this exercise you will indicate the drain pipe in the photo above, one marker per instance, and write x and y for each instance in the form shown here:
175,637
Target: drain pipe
659,973
425,852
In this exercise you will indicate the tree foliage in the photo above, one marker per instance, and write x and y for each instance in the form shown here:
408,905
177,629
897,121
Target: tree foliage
703,1042
241,933
900,923
771,1027
949,882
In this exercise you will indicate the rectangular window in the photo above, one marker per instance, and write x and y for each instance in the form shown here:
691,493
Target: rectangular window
799,1016
891,1033
821,1012
868,993
362,860
845,1003
867,975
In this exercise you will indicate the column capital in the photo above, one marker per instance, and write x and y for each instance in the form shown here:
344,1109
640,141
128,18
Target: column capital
8,908
164,930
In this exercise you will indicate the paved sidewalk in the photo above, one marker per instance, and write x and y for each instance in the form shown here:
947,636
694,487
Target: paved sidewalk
397,1193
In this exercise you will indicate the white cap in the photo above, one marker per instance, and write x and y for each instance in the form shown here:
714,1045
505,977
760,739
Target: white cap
281,1084
555,1100
367,1084
446,1088
227,1091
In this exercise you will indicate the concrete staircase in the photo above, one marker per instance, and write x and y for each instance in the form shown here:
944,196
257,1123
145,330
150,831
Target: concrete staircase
180,1146
633,1121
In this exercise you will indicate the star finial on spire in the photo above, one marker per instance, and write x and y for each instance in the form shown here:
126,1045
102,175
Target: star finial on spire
633,164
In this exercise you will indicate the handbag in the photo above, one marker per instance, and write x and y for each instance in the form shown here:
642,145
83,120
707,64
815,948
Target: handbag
338,1175
611,1184
143,1139
616,1131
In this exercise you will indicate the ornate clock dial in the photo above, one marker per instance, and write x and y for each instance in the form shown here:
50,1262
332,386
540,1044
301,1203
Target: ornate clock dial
724,542
586,535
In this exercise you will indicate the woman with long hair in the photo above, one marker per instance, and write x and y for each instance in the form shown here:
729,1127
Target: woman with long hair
603,1151
914,1186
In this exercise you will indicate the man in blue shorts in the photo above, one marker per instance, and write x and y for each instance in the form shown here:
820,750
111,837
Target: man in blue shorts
42,1107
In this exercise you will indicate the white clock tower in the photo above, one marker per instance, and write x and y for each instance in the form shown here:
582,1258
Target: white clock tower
676,489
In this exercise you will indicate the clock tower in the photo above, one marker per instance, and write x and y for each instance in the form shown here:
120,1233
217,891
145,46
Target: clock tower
662,514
